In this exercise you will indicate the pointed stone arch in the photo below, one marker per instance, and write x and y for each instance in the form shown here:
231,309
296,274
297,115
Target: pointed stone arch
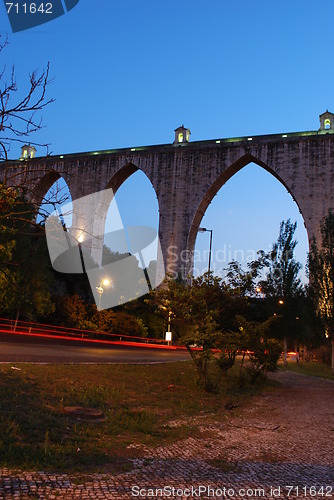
213,189
116,180
43,186
122,175
111,187
38,195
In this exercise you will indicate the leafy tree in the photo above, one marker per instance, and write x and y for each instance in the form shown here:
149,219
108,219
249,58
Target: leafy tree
73,312
321,273
282,277
120,323
245,281
263,351
203,316
193,308
25,275
186,302
8,198
172,302
229,343
145,309
281,285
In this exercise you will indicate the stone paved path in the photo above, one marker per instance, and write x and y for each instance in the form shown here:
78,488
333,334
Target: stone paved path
285,439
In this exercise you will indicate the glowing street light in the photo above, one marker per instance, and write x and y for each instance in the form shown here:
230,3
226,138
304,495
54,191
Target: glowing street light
100,291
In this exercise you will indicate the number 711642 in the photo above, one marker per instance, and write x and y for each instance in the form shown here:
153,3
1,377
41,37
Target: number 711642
29,8
310,491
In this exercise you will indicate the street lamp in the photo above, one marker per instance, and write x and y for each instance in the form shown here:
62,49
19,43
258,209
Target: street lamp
204,230
259,290
100,291
169,333
80,240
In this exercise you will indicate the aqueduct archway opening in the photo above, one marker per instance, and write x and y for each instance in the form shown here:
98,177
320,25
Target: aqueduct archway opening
244,216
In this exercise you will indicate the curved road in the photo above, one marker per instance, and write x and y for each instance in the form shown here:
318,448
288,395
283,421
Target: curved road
20,348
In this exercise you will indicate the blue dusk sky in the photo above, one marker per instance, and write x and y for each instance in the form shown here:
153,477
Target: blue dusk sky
128,73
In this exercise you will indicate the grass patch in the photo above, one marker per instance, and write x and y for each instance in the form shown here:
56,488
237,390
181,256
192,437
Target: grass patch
309,368
138,403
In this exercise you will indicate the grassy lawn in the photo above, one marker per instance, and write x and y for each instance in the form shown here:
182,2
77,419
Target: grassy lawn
309,368
139,403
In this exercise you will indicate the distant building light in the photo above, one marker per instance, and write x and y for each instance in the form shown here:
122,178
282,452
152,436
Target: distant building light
27,151
326,120
182,135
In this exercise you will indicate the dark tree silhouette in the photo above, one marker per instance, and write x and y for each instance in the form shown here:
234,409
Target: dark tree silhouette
321,273
282,285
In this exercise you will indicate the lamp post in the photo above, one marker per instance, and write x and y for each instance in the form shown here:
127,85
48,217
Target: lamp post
285,342
100,291
80,239
168,334
204,230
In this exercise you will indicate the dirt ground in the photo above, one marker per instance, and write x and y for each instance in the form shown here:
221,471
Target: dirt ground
280,447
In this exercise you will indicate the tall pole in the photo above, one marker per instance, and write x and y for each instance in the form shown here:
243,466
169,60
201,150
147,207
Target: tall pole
98,314
168,328
209,269
99,290
204,230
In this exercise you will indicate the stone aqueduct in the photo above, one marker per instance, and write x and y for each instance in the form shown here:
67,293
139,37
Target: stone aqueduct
187,175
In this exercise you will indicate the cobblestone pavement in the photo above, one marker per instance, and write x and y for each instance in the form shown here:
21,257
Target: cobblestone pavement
285,440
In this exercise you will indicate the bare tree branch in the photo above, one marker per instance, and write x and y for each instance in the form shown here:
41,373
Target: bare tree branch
21,118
